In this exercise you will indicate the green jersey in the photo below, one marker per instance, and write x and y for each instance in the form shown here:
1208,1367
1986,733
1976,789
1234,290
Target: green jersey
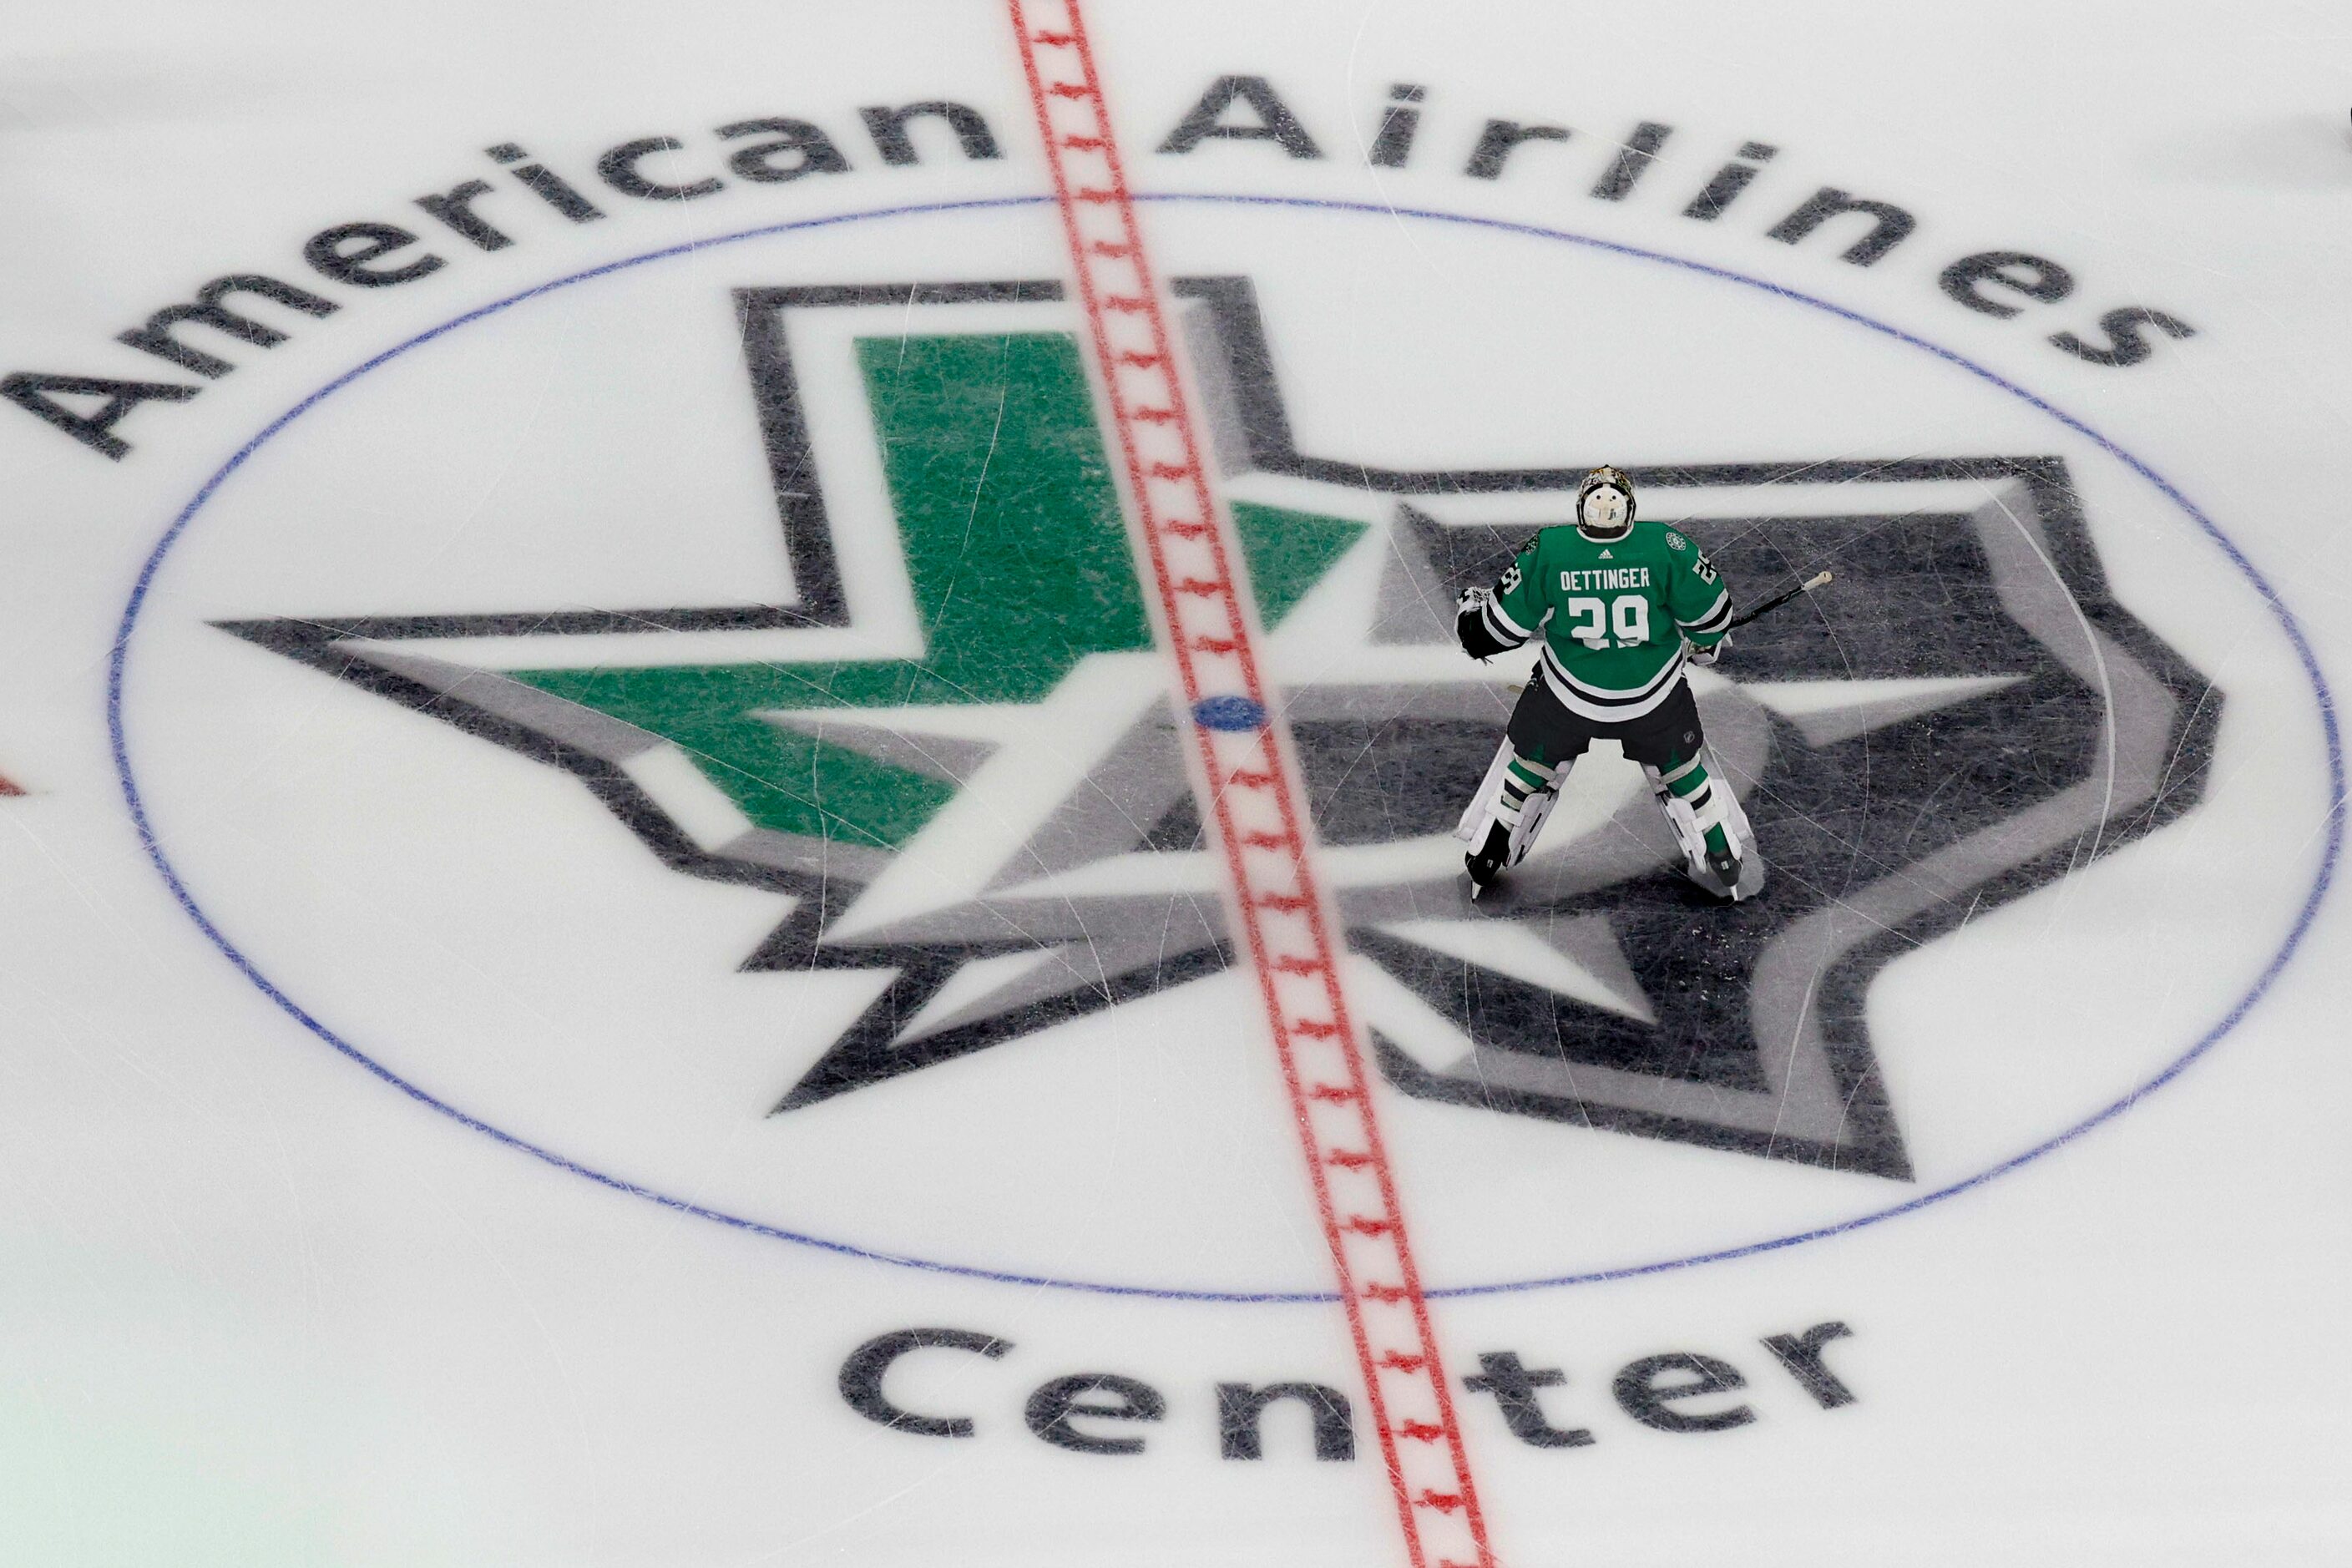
1617,619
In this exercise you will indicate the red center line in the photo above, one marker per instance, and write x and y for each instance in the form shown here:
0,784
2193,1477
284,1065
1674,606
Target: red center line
1253,792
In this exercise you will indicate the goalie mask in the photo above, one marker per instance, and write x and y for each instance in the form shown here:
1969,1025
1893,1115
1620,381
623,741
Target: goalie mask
1604,505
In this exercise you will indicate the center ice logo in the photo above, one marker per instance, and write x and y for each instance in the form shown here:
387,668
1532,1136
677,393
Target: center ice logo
994,809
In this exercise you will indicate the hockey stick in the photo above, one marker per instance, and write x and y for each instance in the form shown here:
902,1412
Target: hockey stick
1769,606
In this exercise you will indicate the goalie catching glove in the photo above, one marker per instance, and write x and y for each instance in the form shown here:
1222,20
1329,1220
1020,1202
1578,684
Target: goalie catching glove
1481,626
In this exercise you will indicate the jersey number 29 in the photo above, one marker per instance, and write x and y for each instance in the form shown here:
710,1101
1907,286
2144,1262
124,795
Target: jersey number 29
1591,620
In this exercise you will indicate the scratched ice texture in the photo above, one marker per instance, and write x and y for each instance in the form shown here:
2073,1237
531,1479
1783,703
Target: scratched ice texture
623,942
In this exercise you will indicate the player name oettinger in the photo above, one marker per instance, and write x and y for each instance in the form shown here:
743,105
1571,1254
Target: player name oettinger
1596,579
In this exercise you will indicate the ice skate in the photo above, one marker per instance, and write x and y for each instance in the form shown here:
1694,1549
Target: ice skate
1487,862
1725,867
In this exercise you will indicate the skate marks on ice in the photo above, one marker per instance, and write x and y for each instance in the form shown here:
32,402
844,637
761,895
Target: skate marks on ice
998,815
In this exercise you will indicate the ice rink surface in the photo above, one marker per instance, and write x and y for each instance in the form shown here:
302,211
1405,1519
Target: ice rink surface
729,787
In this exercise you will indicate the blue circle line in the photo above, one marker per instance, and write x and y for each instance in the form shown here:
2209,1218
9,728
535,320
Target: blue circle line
118,657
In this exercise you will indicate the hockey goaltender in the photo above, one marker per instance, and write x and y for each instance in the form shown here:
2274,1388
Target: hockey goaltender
1620,605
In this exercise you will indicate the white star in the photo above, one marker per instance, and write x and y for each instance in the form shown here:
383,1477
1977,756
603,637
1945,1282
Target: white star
1043,752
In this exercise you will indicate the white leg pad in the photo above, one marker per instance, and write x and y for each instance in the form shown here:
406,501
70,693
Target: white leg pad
1735,815
1486,800
1486,805
1690,823
1722,810
1690,834
1533,815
